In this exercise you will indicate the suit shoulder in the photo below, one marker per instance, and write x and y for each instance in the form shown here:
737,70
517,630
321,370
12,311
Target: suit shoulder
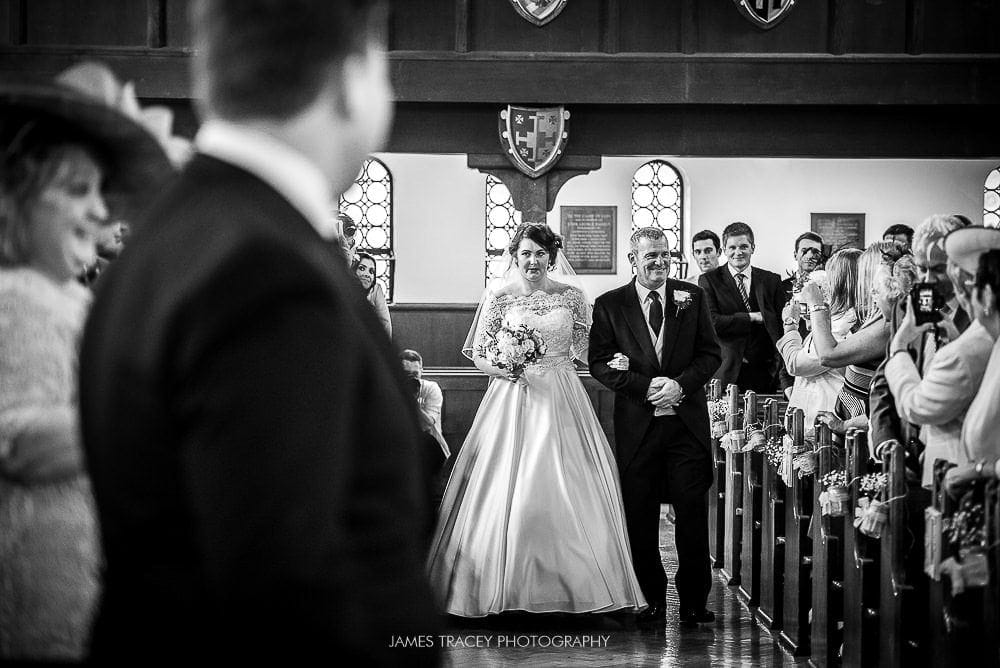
614,294
684,286
769,275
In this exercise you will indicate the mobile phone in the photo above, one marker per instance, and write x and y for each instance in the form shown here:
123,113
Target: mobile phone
926,302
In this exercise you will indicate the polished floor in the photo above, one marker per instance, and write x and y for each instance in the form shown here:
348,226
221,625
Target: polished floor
537,641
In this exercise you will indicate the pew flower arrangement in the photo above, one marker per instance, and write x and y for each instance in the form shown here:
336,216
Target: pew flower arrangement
872,515
834,497
774,450
718,411
965,534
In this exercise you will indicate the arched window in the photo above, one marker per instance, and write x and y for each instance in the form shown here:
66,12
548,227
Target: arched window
991,199
658,201
502,220
369,203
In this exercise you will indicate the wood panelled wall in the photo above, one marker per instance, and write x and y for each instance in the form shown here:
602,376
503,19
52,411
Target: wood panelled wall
837,78
584,26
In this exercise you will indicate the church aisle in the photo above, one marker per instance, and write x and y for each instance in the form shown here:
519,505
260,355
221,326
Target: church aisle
520,640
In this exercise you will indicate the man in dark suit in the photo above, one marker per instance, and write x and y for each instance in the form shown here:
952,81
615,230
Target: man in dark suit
251,441
663,328
746,304
808,257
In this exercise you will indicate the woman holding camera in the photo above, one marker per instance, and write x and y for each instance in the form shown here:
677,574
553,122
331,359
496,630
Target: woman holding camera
939,400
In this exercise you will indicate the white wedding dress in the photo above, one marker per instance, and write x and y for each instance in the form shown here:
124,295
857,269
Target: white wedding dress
532,517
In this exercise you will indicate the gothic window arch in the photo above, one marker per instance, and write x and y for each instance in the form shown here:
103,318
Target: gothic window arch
991,199
369,203
502,219
658,201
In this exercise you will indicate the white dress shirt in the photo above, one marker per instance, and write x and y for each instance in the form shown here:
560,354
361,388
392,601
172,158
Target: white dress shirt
747,272
294,176
645,301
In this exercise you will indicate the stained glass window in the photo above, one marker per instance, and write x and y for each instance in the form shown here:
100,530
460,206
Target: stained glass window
658,201
991,199
502,219
369,203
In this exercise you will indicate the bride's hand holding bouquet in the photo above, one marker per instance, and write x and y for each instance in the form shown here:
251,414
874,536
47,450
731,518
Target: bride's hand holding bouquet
512,349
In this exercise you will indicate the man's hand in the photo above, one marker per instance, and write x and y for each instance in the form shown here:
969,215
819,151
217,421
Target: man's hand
756,318
655,385
669,394
907,332
790,312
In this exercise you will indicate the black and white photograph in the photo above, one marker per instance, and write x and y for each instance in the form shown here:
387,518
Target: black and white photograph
500,333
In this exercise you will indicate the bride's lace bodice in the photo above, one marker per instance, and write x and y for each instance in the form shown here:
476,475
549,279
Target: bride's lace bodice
561,319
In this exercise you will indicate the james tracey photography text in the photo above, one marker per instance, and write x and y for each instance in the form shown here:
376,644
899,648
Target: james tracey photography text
499,641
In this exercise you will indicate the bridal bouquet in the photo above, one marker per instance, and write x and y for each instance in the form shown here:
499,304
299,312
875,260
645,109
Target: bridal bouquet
514,348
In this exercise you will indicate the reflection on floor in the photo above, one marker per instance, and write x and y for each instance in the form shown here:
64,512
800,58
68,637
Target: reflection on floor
536,641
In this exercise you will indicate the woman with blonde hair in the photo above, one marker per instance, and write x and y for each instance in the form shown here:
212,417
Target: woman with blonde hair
885,274
828,294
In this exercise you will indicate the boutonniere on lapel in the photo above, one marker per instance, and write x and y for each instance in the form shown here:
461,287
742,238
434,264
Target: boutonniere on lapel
682,299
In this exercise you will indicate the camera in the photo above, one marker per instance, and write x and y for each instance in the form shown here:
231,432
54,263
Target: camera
926,302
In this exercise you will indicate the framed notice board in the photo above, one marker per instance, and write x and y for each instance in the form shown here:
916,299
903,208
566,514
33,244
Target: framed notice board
840,230
590,238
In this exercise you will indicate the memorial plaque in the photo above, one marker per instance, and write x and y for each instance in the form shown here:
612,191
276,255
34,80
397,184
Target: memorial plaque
590,238
840,230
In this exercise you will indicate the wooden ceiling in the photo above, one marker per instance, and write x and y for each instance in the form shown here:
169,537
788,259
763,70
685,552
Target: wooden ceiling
837,78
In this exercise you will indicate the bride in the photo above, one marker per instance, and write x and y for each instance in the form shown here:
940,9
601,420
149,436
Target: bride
532,517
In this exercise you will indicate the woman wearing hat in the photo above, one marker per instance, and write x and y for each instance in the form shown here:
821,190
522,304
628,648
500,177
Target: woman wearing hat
62,150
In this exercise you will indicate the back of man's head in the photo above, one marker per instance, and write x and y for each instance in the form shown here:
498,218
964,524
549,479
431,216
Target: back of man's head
271,58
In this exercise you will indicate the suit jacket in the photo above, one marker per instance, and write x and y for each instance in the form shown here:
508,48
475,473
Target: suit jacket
690,356
732,322
251,442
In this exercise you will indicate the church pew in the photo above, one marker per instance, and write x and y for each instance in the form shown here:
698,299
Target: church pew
772,534
827,564
717,493
861,583
798,552
734,495
895,591
942,646
750,553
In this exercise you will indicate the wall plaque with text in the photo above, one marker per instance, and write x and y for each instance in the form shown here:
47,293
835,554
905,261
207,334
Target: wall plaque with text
840,230
590,236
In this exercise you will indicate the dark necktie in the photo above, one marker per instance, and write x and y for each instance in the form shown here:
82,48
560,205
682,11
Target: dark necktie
655,312
742,285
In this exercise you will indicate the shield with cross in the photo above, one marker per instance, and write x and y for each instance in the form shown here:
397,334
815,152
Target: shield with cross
765,13
533,138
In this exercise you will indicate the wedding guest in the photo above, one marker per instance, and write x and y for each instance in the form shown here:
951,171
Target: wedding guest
365,268
705,249
979,440
832,296
252,443
900,234
61,149
745,303
429,396
938,399
931,263
808,256
348,235
891,274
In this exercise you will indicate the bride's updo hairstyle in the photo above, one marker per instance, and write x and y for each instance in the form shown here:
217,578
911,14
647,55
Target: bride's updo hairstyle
542,235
